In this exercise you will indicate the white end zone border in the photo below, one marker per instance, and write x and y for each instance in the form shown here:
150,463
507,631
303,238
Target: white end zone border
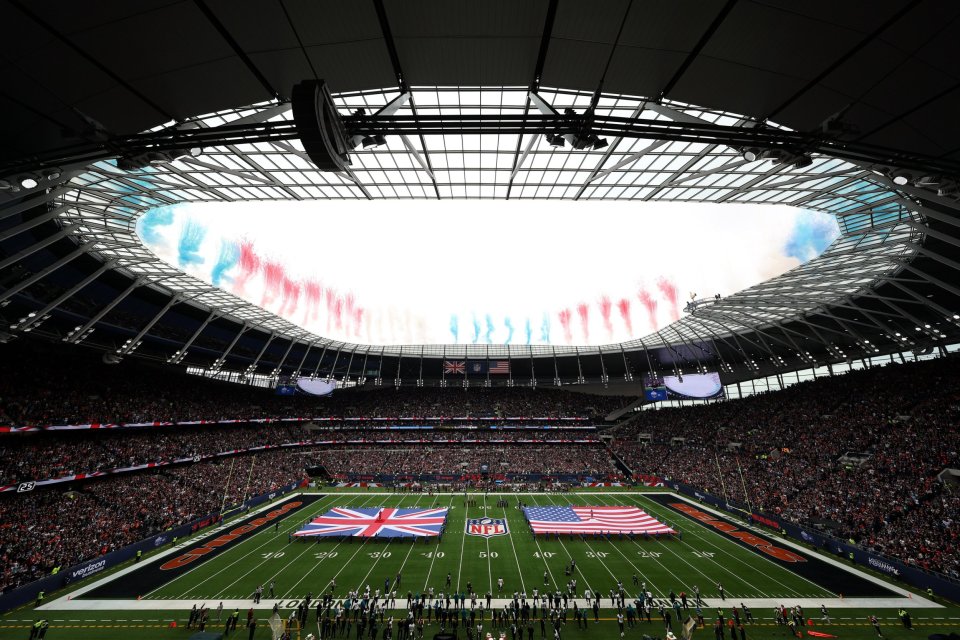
69,603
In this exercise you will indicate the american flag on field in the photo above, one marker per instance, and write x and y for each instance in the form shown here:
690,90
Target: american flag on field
593,520
377,522
455,367
499,366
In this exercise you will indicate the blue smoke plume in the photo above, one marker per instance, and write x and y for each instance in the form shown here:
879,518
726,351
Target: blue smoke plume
811,235
455,328
528,330
490,328
191,237
147,225
229,255
545,329
476,330
509,325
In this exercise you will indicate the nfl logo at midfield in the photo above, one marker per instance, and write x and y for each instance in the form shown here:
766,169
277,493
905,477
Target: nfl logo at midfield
487,527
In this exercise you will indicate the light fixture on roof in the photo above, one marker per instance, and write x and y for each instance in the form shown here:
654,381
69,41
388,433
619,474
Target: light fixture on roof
29,182
373,141
555,140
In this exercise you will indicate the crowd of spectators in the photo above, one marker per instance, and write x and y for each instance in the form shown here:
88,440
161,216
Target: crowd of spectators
42,530
76,388
40,456
899,422
568,459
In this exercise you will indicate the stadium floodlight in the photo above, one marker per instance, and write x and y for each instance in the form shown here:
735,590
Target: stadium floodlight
374,141
28,182
751,154
555,140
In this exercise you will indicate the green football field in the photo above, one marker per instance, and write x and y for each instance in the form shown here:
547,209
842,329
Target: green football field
758,569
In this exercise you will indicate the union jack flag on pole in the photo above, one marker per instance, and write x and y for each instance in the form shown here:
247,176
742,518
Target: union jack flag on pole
367,522
454,367
593,520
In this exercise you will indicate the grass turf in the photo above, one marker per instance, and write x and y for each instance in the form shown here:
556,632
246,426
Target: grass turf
703,557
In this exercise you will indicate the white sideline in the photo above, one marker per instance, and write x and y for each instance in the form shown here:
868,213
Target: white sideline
760,605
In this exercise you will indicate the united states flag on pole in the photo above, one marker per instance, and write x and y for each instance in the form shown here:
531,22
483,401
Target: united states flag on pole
499,366
377,522
593,520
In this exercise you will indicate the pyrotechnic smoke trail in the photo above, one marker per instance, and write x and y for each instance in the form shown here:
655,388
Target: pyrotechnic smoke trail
151,220
583,310
623,305
564,316
188,249
455,328
545,329
490,328
508,323
229,255
669,291
528,331
330,297
249,266
605,307
273,276
357,321
313,295
349,304
650,305
291,297
338,312
476,330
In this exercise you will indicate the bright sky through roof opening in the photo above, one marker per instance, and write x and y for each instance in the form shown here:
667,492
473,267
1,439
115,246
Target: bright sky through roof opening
483,271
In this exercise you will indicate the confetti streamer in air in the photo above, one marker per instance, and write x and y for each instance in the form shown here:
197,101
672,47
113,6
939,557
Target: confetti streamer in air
490,328
650,305
528,331
605,307
564,316
476,330
669,291
509,325
545,329
273,276
455,328
583,310
226,260
623,306
148,225
249,266
191,237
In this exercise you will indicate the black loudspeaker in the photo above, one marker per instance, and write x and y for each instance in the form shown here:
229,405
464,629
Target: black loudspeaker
321,130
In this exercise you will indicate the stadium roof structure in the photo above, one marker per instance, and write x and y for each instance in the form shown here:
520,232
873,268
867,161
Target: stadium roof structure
114,109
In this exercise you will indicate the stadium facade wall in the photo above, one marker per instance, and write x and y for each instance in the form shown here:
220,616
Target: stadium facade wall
887,566
28,592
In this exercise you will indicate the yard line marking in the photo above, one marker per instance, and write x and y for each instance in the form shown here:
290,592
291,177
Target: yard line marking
262,562
414,544
523,587
698,533
570,557
230,550
379,557
489,564
710,579
434,559
463,541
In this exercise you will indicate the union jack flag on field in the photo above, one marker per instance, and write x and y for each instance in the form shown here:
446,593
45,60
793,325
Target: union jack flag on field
455,367
373,522
593,520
